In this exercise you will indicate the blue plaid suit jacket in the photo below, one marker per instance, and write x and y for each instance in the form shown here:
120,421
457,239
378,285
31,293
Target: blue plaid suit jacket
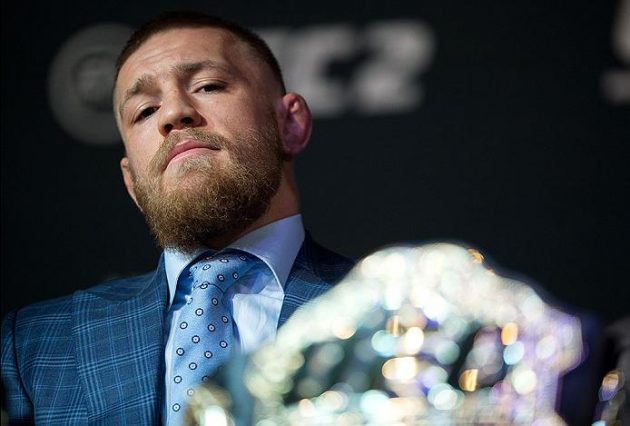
97,357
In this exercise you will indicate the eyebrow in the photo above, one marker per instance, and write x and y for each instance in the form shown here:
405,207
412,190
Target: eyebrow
145,81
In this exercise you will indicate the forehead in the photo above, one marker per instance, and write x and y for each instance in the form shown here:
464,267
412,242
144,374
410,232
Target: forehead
166,49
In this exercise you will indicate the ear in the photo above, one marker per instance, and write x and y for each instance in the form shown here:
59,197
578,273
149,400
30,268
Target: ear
295,123
128,178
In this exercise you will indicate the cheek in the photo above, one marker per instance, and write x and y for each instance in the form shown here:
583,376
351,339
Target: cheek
140,150
247,117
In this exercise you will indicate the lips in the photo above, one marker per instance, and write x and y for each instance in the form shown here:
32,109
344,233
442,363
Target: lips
187,147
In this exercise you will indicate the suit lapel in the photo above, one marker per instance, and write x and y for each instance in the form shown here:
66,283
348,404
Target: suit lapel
119,347
314,272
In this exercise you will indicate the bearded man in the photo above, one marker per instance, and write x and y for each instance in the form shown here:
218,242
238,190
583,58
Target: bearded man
210,134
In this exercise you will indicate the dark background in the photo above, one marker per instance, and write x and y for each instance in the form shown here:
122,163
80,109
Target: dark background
514,148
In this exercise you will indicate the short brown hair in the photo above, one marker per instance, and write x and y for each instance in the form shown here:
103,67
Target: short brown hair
189,19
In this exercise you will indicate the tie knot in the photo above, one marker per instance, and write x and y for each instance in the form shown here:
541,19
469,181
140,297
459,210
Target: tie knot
220,269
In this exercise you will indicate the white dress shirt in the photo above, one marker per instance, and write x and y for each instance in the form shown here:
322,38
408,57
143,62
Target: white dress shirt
255,301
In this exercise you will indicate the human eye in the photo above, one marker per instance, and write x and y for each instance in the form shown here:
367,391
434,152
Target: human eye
210,87
144,113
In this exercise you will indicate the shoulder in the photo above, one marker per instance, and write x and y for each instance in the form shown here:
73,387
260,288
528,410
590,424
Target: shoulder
42,318
322,262
37,316
41,331
121,288
315,270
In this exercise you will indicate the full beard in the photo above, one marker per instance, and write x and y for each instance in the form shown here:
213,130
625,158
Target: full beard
211,200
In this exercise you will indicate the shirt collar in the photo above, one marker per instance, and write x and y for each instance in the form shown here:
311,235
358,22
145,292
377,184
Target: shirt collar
277,244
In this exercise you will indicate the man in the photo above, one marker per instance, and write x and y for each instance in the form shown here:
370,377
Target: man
210,135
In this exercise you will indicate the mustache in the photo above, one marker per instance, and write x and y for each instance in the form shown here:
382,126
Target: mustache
203,139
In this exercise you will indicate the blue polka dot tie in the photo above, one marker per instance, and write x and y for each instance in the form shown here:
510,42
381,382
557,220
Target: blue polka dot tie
204,333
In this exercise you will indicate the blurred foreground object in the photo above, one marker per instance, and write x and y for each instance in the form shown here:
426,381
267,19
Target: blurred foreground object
614,403
413,335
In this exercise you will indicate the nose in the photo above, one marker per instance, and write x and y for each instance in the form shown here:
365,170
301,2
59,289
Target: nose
177,112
